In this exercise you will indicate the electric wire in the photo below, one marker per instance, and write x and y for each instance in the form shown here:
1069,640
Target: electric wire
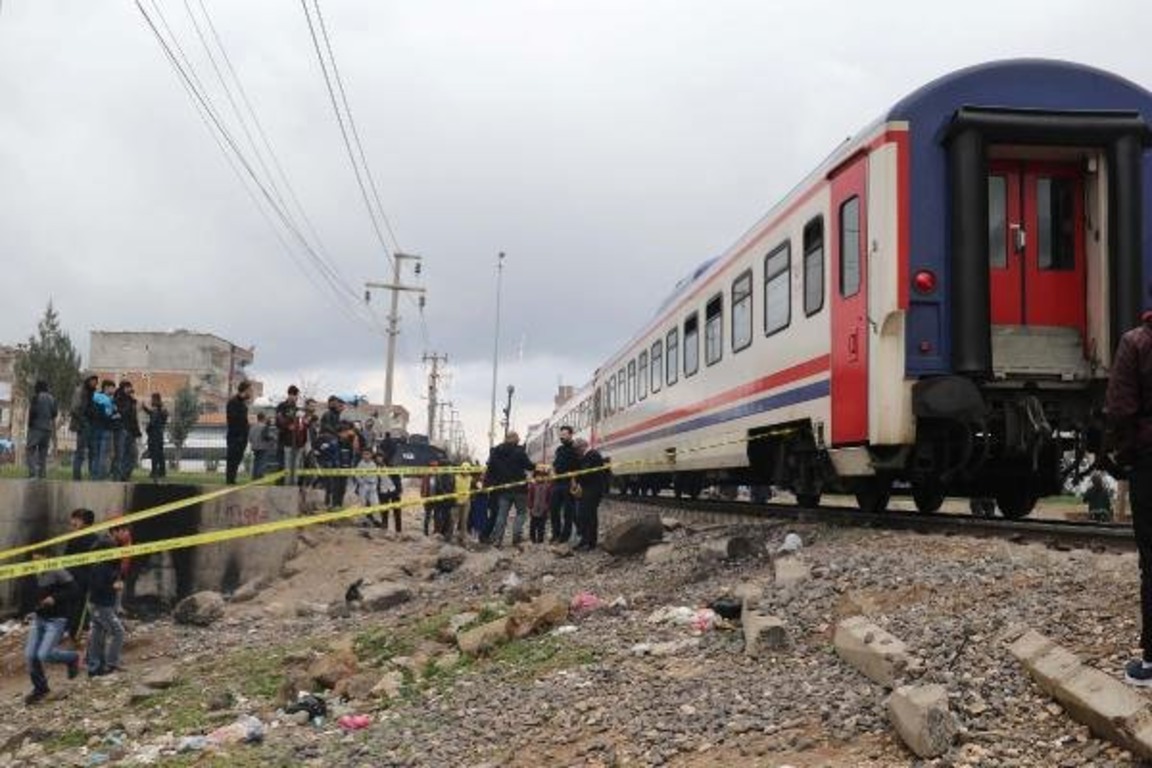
210,118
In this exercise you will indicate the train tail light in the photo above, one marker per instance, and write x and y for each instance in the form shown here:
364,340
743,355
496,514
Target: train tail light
924,281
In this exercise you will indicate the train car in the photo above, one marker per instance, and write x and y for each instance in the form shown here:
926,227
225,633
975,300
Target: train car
935,305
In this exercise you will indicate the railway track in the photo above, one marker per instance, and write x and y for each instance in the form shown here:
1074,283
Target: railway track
1059,534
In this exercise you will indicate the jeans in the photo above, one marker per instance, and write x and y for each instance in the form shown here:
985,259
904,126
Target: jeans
126,456
99,454
43,638
259,462
37,450
83,439
562,502
289,457
107,639
1140,496
588,513
504,502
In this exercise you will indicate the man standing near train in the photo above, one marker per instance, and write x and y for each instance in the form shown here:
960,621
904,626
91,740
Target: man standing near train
565,460
1129,406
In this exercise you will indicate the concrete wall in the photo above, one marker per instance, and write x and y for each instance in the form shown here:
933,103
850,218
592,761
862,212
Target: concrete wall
32,511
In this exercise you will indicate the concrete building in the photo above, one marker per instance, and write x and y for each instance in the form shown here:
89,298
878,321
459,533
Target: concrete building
166,362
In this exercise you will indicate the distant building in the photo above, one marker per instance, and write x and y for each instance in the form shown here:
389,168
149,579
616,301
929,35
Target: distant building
7,387
166,362
564,393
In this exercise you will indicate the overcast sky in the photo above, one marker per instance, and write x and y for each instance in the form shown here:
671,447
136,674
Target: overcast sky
607,147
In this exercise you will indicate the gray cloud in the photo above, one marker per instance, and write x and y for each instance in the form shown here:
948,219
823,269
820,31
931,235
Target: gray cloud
607,147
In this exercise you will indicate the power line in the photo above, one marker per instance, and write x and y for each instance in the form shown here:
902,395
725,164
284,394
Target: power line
194,88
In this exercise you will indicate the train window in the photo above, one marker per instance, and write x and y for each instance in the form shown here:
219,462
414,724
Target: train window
642,376
997,222
672,361
742,311
850,247
691,344
657,366
813,266
778,288
714,329
631,382
610,394
1056,210
597,406
621,389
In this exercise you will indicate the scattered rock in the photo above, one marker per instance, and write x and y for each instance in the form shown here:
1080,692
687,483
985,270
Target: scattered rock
481,639
658,554
790,571
385,595
763,633
357,687
250,589
539,615
200,609
633,536
875,653
388,686
920,715
450,558
331,668
160,678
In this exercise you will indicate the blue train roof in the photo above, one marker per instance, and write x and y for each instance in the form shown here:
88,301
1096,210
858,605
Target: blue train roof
1031,83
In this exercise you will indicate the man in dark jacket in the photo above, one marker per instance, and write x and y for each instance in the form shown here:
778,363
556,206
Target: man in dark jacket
80,422
1129,406
291,434
237,434
337,445
592,488
41,426
508,464
79,520
565,460
104,588
128,437
55,594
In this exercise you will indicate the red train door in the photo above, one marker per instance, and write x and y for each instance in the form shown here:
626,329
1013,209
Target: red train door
850,303
1036,245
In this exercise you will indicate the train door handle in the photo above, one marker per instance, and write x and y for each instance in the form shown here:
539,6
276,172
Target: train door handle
1019,237
852,344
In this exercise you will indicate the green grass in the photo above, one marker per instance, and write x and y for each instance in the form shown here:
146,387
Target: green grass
69,739
532,657
379,645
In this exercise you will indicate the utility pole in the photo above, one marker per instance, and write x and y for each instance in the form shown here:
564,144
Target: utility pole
433,387
394,321
442,421
495,352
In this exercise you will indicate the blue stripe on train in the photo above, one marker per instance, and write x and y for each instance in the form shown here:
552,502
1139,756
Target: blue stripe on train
813,391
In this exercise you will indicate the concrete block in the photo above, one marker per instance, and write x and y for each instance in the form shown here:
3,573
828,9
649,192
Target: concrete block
1105,704
763,633
790,571
875,653
921,716
659,553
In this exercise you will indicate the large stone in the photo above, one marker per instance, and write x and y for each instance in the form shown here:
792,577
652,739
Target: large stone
763,633
659,553
200,609
734,548
920,715
791,570
541,614
482,563
479,640
385,595
389,686
160,678
876,654
633,536
250,589
450,558
749,594
331,668
357,687
1107,706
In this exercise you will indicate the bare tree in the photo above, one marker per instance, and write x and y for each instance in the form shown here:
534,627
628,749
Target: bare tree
185,414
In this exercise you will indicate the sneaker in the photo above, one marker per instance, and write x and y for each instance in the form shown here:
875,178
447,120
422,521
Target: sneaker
35,697
73,669
1138,672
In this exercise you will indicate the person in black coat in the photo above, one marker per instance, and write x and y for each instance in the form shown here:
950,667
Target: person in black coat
566,460
508,465
237,435
593,486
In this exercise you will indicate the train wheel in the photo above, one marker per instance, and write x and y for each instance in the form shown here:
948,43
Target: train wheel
808,500
927,498
872,495
1016,504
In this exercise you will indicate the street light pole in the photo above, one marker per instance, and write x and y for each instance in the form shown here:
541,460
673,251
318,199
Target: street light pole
508,412
495,352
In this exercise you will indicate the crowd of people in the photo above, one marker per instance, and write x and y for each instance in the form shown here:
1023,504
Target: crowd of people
105,417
